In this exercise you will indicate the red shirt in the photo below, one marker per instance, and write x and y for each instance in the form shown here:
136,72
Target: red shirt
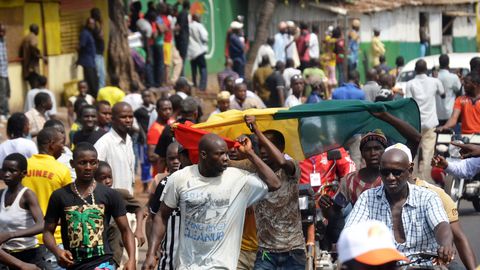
168,36
321,165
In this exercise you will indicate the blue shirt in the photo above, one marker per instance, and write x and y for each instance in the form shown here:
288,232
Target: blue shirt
348,91
86,54
421,214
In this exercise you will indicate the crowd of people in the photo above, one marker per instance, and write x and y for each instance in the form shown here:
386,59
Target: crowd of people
70,203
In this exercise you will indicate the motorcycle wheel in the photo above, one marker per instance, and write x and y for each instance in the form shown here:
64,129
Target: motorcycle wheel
476,204
452,185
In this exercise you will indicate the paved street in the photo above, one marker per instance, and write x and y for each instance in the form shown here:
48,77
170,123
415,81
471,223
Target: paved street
470,221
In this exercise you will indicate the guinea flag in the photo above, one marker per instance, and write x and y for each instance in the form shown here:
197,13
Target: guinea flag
189,137
311,129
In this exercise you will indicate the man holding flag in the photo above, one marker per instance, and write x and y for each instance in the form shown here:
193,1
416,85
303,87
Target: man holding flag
212,198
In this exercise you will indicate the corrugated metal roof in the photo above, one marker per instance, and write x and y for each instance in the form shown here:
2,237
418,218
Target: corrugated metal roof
365,6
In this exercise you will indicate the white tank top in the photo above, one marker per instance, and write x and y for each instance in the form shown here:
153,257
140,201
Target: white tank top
13,218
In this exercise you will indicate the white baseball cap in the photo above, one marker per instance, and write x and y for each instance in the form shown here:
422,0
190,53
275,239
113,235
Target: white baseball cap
403,148
369,242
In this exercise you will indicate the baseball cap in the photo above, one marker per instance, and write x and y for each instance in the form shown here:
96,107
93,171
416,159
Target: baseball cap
369,242
236,25
403,148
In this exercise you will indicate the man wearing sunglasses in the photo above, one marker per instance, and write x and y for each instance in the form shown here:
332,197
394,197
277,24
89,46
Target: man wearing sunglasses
415,215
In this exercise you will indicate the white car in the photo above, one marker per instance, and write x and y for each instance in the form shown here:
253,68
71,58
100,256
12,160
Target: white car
459,64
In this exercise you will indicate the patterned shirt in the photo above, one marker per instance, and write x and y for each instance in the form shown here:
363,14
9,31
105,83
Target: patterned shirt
3,59
279,227
421,213
352,186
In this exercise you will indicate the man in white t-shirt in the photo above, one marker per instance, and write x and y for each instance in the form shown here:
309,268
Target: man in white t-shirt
212,198
423,90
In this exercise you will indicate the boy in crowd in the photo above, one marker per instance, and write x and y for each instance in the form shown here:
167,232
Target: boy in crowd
21,218
103,175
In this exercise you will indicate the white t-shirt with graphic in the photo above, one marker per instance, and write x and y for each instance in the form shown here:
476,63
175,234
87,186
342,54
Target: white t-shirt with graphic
213,212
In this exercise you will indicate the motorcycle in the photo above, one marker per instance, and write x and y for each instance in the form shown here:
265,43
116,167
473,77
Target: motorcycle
419,258
314,223
458,188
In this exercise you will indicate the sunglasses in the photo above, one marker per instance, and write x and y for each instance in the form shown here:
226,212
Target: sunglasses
394,172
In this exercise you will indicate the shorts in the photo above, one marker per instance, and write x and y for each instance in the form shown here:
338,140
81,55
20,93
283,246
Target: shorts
167,53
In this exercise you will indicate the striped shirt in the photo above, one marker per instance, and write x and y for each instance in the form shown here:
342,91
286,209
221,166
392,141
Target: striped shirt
169,242
421,213
352,186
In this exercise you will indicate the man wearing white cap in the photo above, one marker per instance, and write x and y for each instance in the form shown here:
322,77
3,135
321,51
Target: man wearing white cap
414,214
236,48
368,245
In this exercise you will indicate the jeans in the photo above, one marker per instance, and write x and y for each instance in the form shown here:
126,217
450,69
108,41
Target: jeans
4,93
291,260
423,48
340,73
201,64
50,259
239,67
144,163
100,64
158,64
90,76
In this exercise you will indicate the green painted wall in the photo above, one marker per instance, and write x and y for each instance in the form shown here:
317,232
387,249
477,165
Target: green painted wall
409,50
464,44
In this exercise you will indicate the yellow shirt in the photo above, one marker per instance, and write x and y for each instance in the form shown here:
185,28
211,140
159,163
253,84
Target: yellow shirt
45,175
249,238
112,94
448,204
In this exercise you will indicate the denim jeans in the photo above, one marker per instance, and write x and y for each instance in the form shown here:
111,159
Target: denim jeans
158,64
291,260
201,64
423,48
4,93
100,64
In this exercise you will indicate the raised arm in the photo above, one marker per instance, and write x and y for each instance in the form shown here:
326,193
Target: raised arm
265,172
128,240
407,131
157,233
277,156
